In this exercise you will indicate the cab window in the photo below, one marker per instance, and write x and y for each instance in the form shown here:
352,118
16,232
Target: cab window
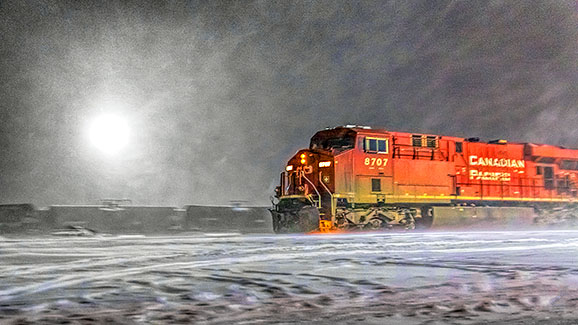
376,145
339,143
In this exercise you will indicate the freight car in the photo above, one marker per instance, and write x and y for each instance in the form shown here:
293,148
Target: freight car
356,177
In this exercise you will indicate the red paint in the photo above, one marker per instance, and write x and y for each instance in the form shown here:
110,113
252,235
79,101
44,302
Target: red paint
419,168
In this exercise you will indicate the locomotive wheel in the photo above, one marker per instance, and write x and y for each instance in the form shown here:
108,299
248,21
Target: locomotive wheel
408,221
426,219
375,223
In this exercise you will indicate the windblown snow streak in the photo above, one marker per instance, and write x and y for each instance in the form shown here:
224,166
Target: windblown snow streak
409,277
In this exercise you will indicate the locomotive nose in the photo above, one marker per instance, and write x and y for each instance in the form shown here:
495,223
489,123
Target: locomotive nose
304,158
304,195
304,173
303,161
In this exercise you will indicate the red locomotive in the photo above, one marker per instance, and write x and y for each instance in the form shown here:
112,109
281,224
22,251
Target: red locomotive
363,178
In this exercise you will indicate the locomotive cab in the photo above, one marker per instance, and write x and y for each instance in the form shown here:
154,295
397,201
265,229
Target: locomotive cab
340,181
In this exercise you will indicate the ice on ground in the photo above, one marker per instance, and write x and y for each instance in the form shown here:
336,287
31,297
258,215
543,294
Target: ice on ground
402,277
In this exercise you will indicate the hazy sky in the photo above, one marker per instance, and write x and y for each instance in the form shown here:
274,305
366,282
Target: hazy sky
219,94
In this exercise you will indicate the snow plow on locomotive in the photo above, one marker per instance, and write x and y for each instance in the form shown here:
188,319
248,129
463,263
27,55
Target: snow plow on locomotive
359,178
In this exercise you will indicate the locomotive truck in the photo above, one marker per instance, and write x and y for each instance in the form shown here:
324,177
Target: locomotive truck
356,177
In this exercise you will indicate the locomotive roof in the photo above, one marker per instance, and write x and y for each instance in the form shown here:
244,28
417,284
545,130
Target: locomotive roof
370,130
537,148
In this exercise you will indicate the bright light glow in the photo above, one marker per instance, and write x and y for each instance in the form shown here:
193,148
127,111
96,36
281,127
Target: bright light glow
289,168
302,156
109,133
324,163
303,161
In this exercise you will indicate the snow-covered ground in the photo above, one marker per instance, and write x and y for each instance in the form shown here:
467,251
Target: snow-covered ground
409,278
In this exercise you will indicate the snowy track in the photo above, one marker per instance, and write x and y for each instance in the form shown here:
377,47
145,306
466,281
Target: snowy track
405,277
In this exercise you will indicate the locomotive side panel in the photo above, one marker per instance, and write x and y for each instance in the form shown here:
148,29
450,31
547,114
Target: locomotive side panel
492,172
423,180
373,189
556,169
344,187
372,168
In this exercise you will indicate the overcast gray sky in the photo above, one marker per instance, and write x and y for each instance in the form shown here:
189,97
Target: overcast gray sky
219,94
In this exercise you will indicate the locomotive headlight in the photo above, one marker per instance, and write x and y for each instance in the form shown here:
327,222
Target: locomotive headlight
289,168
324,163
302,156
303,161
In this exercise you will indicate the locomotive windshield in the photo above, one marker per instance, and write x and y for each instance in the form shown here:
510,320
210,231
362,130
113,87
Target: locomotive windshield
333,140
334,143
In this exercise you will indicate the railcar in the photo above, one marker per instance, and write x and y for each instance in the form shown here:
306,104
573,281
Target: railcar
356,177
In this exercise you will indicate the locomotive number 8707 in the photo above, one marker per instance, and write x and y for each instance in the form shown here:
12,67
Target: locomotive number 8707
355,177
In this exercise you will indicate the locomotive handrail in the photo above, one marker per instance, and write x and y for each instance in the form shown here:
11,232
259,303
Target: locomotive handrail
312,185
330,194
326,188
416,153
288,182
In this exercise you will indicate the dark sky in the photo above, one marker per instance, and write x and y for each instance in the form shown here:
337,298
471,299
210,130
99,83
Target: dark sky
219,94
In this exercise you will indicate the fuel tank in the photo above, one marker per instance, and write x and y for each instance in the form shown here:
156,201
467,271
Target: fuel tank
482,218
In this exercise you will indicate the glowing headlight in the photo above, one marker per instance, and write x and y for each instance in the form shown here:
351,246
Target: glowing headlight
109,133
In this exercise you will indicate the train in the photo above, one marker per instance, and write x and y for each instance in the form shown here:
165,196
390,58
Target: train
120,216
359,178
